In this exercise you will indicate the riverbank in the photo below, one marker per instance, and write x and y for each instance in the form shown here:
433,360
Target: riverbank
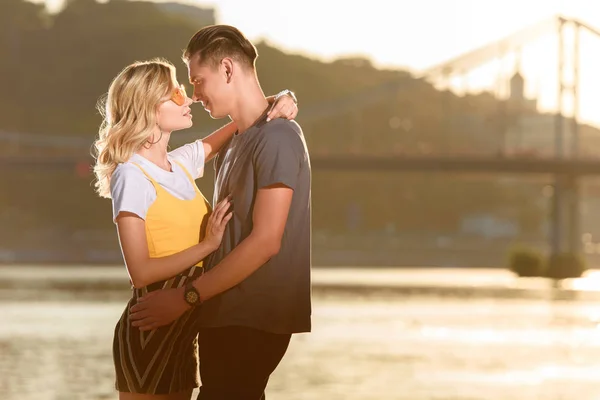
353,281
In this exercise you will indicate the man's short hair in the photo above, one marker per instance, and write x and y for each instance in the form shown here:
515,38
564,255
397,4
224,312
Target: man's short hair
215,42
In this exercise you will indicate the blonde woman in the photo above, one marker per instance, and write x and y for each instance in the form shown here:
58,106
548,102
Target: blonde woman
165,225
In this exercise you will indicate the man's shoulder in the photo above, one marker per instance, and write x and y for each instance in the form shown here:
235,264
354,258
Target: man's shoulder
280,125
280,132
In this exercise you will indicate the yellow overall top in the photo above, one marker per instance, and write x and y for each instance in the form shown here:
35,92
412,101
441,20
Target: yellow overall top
173,224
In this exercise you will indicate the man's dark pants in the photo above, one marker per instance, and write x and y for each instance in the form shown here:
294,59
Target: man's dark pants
236,362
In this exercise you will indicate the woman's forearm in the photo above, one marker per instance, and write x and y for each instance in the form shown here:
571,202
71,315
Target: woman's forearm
216,140
151,270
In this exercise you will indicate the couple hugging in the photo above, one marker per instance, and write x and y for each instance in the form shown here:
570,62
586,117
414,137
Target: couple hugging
218,289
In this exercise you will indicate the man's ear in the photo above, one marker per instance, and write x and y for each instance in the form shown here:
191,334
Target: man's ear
228,68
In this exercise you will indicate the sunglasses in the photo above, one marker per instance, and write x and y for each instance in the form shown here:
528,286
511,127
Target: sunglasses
179,96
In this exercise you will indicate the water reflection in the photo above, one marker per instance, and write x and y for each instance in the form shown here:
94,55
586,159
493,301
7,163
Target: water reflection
395,344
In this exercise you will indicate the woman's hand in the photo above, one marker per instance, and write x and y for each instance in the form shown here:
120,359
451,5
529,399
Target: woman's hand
284,106
217,221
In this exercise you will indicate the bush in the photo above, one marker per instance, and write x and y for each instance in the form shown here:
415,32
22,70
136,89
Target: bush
526,262
565,265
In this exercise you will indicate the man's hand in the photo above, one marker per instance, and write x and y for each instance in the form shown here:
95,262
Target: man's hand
158,308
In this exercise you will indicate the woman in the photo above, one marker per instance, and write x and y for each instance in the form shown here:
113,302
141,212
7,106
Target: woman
164,224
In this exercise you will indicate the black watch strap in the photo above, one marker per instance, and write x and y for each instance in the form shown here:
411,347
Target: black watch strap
191,295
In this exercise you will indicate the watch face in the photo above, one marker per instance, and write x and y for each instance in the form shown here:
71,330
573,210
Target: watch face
191,296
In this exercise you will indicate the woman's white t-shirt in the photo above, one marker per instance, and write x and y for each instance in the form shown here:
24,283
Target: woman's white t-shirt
133,192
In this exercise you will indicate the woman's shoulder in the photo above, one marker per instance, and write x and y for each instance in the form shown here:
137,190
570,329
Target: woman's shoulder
128,170
128,174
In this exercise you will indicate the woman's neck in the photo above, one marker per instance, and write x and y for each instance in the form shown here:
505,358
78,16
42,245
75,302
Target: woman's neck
157,152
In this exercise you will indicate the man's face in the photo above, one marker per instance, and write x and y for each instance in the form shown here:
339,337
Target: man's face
211,87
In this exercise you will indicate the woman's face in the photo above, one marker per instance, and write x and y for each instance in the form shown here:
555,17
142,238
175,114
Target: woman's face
174,114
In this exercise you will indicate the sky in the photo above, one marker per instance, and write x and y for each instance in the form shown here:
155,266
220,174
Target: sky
417,34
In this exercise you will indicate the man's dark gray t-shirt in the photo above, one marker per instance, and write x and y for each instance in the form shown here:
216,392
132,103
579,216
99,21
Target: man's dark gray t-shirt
277,297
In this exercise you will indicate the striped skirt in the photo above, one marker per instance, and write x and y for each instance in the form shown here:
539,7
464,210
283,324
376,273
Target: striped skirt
161,361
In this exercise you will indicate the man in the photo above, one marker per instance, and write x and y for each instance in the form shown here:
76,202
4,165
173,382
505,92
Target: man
256,291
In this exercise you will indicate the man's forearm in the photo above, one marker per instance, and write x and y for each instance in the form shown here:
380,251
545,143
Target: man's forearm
241,262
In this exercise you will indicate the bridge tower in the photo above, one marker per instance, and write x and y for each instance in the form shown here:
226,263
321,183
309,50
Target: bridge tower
565,235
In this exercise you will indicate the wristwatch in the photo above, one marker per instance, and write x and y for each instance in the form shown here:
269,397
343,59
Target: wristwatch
190,294
289,93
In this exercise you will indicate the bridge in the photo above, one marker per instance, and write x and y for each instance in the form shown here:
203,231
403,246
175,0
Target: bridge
443,164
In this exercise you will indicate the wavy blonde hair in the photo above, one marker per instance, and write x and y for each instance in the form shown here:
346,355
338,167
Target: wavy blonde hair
129,115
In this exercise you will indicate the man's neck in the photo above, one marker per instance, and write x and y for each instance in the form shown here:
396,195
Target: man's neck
250,106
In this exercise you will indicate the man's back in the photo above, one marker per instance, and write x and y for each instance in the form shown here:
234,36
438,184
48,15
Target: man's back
275,298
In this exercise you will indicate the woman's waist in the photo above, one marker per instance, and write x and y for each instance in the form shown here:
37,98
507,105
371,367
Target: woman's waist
165,248
175,223
176,281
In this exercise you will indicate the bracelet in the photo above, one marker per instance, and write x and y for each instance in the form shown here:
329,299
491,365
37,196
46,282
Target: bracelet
289,93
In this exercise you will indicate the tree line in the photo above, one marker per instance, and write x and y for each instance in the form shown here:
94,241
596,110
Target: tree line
55,67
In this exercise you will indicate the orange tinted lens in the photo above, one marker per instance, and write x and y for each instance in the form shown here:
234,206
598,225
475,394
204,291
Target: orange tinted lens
178,96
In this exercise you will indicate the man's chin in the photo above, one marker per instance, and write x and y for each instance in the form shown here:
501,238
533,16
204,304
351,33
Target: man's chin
216,116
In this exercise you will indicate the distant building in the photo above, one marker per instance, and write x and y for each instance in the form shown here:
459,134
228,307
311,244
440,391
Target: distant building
529,132
517,102
489,226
